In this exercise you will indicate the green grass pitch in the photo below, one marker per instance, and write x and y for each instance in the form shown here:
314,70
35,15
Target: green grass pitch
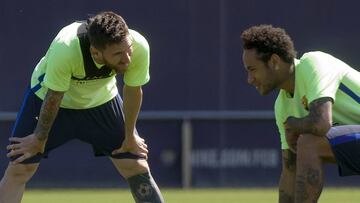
268,195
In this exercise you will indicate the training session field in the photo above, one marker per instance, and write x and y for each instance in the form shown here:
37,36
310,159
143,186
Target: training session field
330,195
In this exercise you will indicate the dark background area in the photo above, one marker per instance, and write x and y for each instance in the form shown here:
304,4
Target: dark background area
195,65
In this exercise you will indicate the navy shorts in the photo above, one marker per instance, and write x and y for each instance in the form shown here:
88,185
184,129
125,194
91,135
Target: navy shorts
345,144
101,126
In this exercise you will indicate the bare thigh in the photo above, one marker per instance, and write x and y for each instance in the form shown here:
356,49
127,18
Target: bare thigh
315,145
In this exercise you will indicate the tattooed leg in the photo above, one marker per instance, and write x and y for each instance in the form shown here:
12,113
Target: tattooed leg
144,189
309,171
308,186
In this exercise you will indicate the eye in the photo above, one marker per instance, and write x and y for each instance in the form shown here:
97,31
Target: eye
117,53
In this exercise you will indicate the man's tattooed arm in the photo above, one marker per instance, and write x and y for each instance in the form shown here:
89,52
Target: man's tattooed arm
48,113
318,122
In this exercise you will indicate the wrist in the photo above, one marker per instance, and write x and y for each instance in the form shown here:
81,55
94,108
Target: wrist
41,136
129,135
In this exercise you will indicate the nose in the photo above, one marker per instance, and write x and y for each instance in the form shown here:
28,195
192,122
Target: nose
126,58
250,79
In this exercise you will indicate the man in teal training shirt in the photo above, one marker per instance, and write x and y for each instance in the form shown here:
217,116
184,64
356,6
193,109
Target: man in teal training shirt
317,110
73,95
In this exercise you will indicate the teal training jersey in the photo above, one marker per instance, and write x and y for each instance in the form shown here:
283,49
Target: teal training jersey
317,75
64,61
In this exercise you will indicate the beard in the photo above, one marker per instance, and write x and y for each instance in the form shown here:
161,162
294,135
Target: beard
118,68
266,89
270,85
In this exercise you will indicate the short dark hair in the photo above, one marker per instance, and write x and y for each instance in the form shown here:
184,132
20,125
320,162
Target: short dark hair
268,40
106,28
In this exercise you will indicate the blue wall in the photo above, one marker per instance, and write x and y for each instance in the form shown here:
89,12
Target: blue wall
195,65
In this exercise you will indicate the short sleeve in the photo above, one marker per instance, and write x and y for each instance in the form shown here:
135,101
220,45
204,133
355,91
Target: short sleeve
59,71
138,71
319,76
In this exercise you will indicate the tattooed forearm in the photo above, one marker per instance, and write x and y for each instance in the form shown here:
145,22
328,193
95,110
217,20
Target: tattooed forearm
317,122
319,119
48,113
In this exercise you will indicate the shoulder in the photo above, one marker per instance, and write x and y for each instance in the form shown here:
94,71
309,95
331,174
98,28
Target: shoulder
313,55
66,42
312,62
318,58
139,41
320,63
311,59
67,36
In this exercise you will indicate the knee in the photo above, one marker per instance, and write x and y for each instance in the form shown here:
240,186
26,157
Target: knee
306,141
139,167
307,146
129,167
20,173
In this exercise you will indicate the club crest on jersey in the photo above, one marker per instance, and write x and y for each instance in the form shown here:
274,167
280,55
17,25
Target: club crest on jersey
305,103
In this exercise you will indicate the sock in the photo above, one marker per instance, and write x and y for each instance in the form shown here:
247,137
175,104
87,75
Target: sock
144,189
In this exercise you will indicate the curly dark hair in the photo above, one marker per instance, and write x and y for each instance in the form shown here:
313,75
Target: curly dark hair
268,40
106,28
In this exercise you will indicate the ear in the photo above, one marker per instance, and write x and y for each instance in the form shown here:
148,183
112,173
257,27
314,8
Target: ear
274,61
97,55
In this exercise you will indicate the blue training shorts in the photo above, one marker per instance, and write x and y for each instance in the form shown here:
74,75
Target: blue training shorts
345,144
101,126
